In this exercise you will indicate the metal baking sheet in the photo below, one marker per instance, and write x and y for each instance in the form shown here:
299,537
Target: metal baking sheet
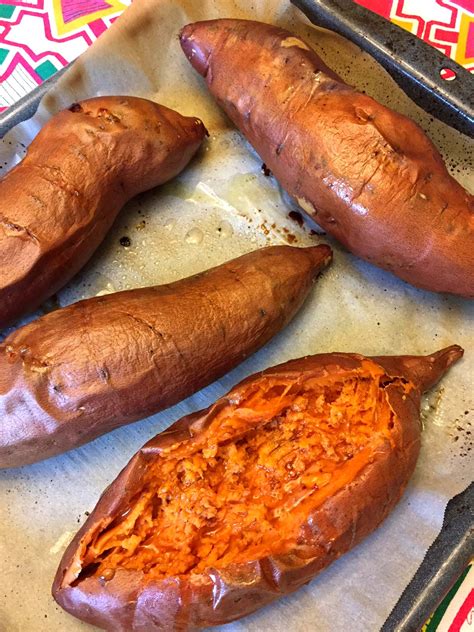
446,559
415,65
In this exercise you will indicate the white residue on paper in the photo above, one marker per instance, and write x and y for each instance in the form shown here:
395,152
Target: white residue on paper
62,542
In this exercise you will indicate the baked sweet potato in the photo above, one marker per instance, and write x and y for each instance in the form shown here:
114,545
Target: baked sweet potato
86,369
237,505
59,202
368,175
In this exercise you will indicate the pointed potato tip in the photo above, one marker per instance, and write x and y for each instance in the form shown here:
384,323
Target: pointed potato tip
186,32
447,356
321,255
196,52
428,370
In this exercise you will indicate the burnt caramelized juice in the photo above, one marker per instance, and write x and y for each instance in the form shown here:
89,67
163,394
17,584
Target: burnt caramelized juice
241,489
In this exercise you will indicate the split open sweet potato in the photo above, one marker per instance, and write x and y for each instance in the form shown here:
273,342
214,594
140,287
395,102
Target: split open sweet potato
86,369
368,175
59,202
237,505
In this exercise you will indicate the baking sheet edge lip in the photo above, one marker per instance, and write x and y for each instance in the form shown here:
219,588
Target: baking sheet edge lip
26,107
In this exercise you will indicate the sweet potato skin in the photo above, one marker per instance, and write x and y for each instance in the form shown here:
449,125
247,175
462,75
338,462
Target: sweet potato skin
59,202
368,175
86,369
130,601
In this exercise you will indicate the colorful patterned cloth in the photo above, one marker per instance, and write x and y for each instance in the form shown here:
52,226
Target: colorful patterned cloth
456,612
445,24
38,37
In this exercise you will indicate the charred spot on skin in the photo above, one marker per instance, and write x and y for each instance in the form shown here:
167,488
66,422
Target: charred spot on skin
265,170
76,107
263,312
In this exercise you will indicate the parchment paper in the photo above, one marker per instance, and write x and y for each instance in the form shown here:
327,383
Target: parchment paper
222,206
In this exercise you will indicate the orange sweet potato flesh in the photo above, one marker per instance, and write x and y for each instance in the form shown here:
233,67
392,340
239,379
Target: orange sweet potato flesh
237,505
59,202
368,175
86,369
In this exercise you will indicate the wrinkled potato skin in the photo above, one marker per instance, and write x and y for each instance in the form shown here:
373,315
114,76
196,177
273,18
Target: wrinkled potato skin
86,369
368,175
130,602
59,202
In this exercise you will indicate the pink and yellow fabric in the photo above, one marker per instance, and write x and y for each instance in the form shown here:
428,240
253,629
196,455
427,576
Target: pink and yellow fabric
445,24
38,37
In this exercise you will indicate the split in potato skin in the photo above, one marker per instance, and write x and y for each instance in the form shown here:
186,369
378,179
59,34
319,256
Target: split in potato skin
242,489
235,506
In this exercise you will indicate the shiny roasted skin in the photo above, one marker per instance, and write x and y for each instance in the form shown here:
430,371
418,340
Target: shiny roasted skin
58,203
368,175
237,505
86,369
